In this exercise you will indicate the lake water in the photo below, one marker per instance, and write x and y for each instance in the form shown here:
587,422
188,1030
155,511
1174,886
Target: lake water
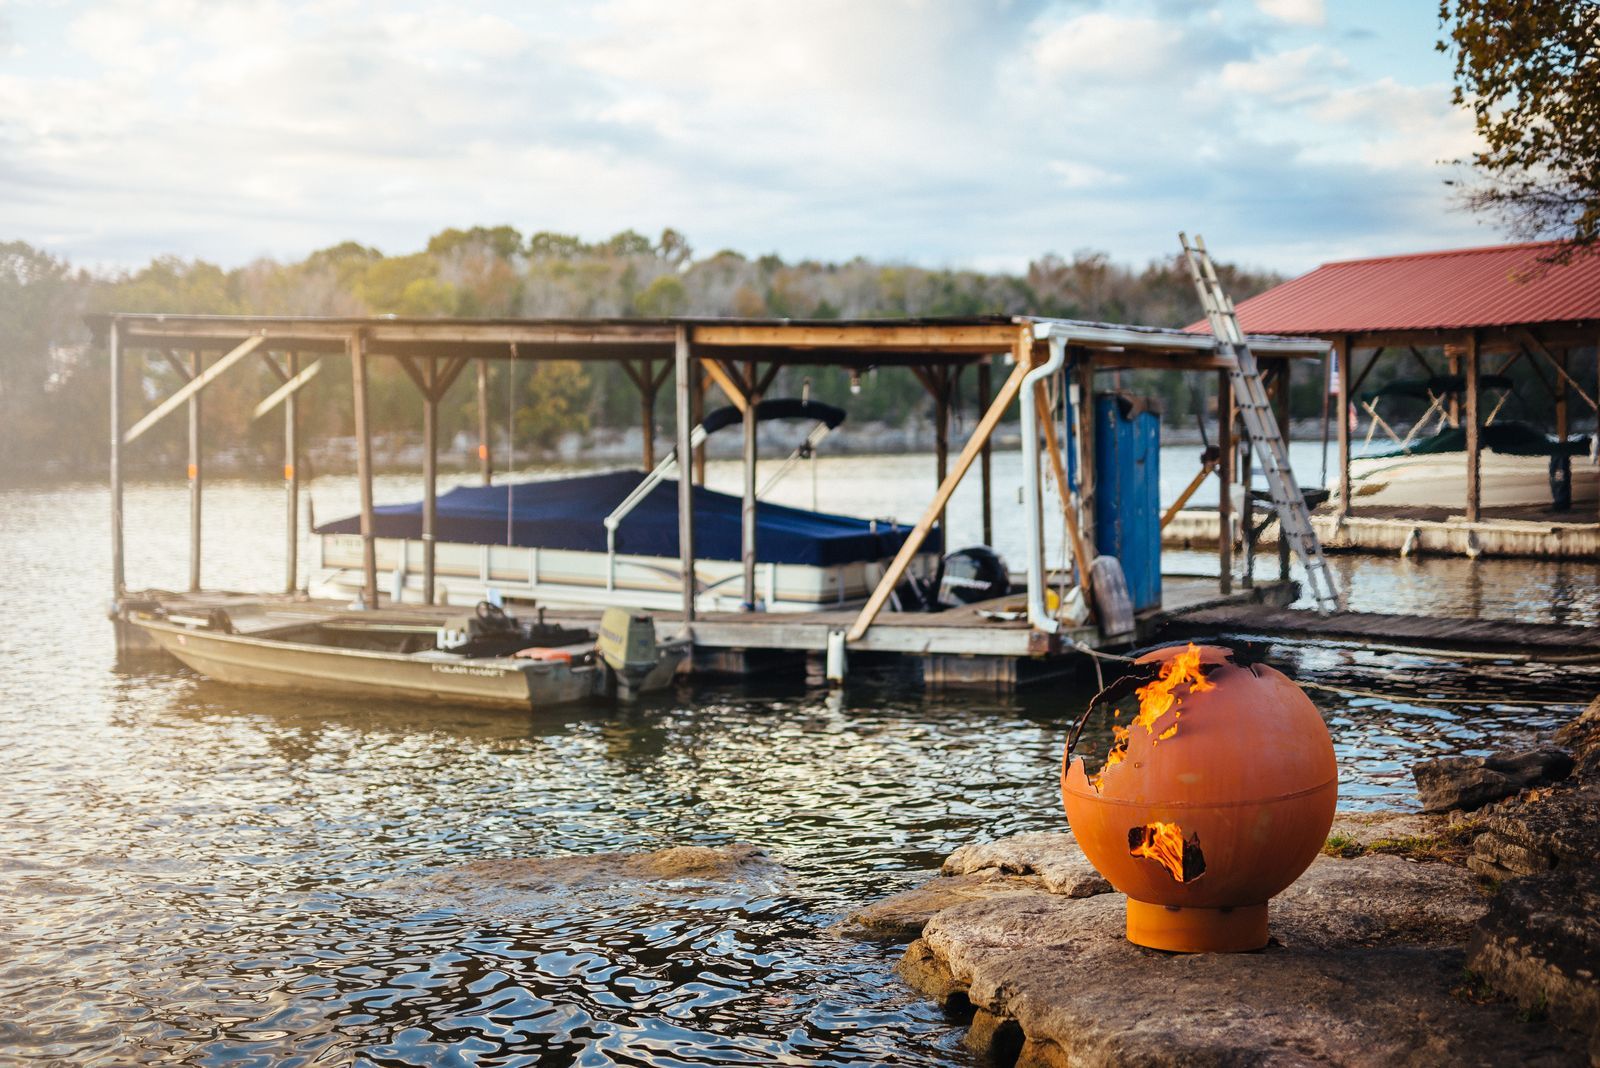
195,873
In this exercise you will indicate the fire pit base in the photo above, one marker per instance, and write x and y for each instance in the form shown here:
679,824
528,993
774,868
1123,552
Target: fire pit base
1197,930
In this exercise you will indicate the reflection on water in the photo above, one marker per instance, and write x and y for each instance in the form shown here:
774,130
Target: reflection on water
194,872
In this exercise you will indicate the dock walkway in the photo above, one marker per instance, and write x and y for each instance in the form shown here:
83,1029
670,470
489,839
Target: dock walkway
1377,629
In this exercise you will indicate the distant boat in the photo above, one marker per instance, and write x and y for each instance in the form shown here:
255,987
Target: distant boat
486,659
1430,470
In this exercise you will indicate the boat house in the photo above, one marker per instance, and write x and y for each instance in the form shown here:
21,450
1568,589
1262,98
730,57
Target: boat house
1045,369
1461,333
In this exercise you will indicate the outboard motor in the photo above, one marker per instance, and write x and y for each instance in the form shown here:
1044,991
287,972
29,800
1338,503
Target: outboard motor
976,573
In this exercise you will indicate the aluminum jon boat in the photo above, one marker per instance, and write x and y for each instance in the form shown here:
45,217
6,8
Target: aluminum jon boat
486,659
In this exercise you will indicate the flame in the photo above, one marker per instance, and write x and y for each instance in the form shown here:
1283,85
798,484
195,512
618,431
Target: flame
1156,700
1161,696
1162,843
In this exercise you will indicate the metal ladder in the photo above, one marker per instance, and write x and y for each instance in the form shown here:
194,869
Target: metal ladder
1261,425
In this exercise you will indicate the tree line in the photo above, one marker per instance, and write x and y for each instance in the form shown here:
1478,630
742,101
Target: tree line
53,377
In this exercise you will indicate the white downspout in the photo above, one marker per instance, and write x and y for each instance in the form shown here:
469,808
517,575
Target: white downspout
1039,616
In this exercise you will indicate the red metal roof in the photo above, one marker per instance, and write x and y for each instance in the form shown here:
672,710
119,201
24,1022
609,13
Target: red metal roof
1503,285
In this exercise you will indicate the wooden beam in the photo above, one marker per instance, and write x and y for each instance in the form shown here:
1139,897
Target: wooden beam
1561,402
1188,491
919,533
485,462
1355,387
196,365
1538,346
183,373
114,357
646,381
941,440
765,382
681,364
1341,356
1058,468
194,385
724,380
1133,361
430,476
288,389
358,388
275,367
1474,432
409,366
984,459
983,338
291,476
445,378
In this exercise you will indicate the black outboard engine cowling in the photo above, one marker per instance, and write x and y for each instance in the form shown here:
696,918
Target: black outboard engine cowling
976,573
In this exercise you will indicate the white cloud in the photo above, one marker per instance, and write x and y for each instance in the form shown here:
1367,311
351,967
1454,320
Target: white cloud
1299,12
1291,75
946,133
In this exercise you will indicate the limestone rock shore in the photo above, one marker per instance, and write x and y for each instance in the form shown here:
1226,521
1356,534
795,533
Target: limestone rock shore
1367,964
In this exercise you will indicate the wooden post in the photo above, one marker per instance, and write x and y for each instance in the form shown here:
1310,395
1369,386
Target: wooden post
647,411
683,386
291,481
485,464
747,510
697,414
1285,370
1341,353
1474,433
941,436
195,367
114,351
430,475
1225,482
1562,430
919,533
1453,362
984,465
358,387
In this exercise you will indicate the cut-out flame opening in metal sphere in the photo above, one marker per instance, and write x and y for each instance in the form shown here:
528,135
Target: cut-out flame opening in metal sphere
1214,798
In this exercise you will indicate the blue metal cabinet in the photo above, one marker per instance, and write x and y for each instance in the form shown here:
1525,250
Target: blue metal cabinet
1127,491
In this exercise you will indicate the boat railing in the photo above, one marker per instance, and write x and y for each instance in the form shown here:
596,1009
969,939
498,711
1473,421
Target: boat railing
828,418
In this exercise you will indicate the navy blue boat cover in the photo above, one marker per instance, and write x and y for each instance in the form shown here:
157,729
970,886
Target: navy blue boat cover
568,513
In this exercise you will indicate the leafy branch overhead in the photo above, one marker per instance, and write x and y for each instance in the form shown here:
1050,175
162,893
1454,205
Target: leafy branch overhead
1529,70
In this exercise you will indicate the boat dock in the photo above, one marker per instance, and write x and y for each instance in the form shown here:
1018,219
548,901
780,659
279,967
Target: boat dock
976,647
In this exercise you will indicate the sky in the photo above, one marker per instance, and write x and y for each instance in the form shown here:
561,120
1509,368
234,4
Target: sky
948,134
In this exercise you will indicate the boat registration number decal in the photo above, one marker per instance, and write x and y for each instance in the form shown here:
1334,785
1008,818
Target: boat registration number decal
462,669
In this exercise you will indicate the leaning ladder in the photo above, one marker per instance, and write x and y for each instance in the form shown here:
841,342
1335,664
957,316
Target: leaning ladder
1261,424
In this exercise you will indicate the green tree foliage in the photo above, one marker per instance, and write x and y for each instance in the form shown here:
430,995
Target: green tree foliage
52,381
557,401
1530,72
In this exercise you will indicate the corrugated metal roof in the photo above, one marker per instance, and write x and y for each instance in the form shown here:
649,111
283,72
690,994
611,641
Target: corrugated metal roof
1503,285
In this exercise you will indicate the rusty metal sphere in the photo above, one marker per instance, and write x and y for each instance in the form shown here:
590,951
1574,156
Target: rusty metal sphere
1216,797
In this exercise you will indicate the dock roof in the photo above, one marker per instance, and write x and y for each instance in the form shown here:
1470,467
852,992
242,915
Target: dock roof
1461,289
855,343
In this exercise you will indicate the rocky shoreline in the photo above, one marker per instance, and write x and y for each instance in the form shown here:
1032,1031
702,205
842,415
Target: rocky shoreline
1468,936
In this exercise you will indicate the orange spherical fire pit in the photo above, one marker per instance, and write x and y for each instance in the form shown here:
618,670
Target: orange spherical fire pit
1215,797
